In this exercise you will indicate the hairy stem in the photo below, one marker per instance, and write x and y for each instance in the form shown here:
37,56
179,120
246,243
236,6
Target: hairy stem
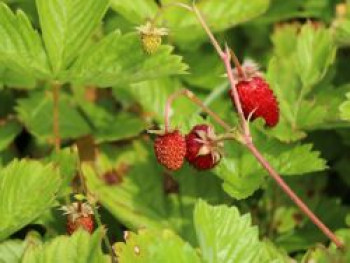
303,207
237,64
190,95
56,123
247,139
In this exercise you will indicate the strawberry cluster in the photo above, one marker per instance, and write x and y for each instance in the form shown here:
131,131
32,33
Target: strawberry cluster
200,147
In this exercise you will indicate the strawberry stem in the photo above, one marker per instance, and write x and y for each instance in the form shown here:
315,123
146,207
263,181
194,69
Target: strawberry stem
193,98
237,64
247,138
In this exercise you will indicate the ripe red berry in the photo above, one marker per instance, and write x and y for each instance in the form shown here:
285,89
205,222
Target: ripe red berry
85,222
79,215
258,100
203,148
170,149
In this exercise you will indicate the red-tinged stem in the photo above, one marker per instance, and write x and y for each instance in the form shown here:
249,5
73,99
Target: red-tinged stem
208,31
237,64
247,139
192,97
303,207
244,124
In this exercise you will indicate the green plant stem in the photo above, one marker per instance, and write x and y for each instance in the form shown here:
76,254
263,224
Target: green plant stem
56,122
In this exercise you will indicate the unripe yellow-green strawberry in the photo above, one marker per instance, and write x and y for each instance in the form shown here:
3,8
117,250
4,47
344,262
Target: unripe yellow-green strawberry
151,37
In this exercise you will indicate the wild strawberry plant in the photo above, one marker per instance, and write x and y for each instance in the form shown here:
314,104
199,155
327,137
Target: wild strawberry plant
172,131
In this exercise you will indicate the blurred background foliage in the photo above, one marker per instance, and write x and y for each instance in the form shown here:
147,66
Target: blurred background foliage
112,93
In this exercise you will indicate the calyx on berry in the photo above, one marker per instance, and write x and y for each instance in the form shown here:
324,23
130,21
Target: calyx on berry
256,97
79,214
151,36
204,149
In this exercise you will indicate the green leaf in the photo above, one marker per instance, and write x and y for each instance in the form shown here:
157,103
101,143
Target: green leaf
243,175
11,251
21,48
345,109
15,79
322,254
67,26
124,199
119,60
185,27
226,236
36,112
66,160
315,52
161,246
166,201
19,205
109,127
8,132
136,11
81,247
152,96
300,62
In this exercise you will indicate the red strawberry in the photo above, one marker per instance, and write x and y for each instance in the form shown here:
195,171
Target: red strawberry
79,215
203,148
87,223
170,149
258,99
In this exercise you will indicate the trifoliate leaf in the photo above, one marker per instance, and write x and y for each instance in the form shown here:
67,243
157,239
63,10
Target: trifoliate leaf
78,248
8,131
36,112
136,11
155,246
226,236
21,48
300,62
27,189
67,27
119,60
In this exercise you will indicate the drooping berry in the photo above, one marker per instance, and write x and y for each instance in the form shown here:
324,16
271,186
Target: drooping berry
170,149
79,215
257,99
151,37
203,148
